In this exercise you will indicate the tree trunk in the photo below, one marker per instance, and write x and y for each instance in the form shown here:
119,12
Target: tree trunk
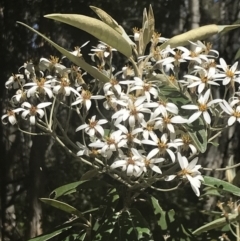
36,184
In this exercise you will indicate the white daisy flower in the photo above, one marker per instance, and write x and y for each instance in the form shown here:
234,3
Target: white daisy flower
33,111
133,113
93,127
205,78
229,75
234,112
85,98
190,172
132,164
15,81
146,88
41,86
168,121
162,146
11,116
202,107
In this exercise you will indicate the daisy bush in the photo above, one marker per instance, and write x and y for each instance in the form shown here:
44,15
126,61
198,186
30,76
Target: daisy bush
144,123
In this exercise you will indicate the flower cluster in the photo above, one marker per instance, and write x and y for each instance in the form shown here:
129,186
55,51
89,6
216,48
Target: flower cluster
142,114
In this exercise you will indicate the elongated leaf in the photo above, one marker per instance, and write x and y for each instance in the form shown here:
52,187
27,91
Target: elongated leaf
221,185
90,174
50,235
200,33
106,18
66,189
76,60
237,55
192,35
96,28
218,223
76,186
197,132
62,206
222,29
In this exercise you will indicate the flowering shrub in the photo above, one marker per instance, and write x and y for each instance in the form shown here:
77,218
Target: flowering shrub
152,117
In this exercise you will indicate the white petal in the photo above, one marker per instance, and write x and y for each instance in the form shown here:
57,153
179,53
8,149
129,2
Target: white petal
231,120
206,117
42,105
190,107
194,117
32,120
155,168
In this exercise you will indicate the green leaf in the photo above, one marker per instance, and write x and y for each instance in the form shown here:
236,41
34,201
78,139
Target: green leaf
200,33
106,18
66,189
218,223
62,206
161,215
222,29
76,60
198,133
97,28
221,185
211,191
237,55
89,174
50,235
75,186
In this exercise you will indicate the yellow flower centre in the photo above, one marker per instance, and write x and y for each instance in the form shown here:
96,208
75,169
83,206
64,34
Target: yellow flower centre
146,162
133,112
193,54
202,107
146,87
229,73
167,120
64,82
10,113
86,95
41,82
92,124
184,172
110,141
178,55
33,110
53,59
186,139
113,82
204,79
236,114
149,127
162,146
130,161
